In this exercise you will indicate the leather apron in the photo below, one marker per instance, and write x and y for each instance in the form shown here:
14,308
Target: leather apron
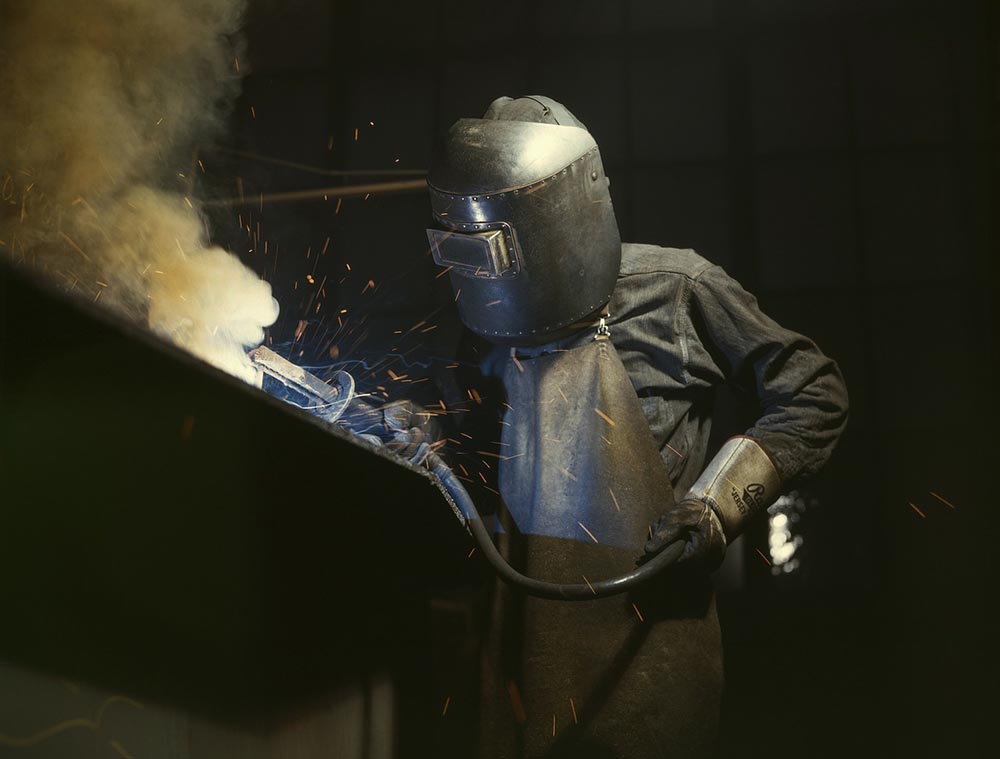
628,676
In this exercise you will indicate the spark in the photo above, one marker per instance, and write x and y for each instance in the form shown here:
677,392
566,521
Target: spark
567,399
326,244
586,530
637,612
253,112
446,702
763,556
553,726
492,303
573,707
443,272
922,515
457,294
589,585
615,500
604,416
236,64
679,454
517,363
570,475
201,166
74,246
120,749
950,506
515,702
471,552
355,134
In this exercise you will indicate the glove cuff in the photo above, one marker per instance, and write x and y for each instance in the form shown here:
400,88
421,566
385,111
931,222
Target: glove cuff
737,483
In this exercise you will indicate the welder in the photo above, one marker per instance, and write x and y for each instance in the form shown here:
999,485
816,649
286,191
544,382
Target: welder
609,354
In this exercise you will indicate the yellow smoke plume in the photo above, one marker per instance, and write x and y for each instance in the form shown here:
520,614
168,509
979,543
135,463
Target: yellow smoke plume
102,105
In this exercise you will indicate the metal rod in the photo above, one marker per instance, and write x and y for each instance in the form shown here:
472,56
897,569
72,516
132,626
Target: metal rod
316,170
344,191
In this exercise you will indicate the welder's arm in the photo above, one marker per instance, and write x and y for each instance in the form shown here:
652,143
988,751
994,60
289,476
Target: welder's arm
803,410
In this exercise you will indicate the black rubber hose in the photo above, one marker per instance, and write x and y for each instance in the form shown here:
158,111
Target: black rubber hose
540,588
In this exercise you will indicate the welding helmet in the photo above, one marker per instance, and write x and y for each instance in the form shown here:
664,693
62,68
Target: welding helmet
524,221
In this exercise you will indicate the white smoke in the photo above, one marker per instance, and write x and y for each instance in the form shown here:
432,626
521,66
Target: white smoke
102,104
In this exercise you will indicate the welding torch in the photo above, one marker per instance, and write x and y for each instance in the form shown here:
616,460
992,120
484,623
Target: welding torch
337,403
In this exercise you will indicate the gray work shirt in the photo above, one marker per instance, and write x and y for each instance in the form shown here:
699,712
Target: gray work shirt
682,326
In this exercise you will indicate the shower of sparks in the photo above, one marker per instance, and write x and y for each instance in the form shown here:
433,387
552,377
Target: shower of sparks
950,506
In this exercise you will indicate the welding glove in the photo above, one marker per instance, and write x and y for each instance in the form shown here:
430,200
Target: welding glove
408,430
693,521
739,482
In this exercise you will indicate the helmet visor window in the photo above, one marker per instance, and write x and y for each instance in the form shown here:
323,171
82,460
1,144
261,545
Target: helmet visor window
482,254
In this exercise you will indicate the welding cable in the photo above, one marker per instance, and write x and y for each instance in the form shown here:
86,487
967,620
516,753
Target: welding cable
540,588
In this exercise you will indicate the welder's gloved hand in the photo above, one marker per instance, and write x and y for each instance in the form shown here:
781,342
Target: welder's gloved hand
695,522
409,430
412,444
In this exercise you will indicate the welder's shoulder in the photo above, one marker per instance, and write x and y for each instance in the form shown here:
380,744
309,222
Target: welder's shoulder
638,259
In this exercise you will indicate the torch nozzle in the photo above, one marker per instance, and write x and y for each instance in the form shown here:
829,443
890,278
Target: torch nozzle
303,389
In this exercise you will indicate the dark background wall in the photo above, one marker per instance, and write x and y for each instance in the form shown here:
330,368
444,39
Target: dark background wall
838,157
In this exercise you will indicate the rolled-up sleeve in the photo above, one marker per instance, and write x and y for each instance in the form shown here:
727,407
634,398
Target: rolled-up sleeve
800,391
